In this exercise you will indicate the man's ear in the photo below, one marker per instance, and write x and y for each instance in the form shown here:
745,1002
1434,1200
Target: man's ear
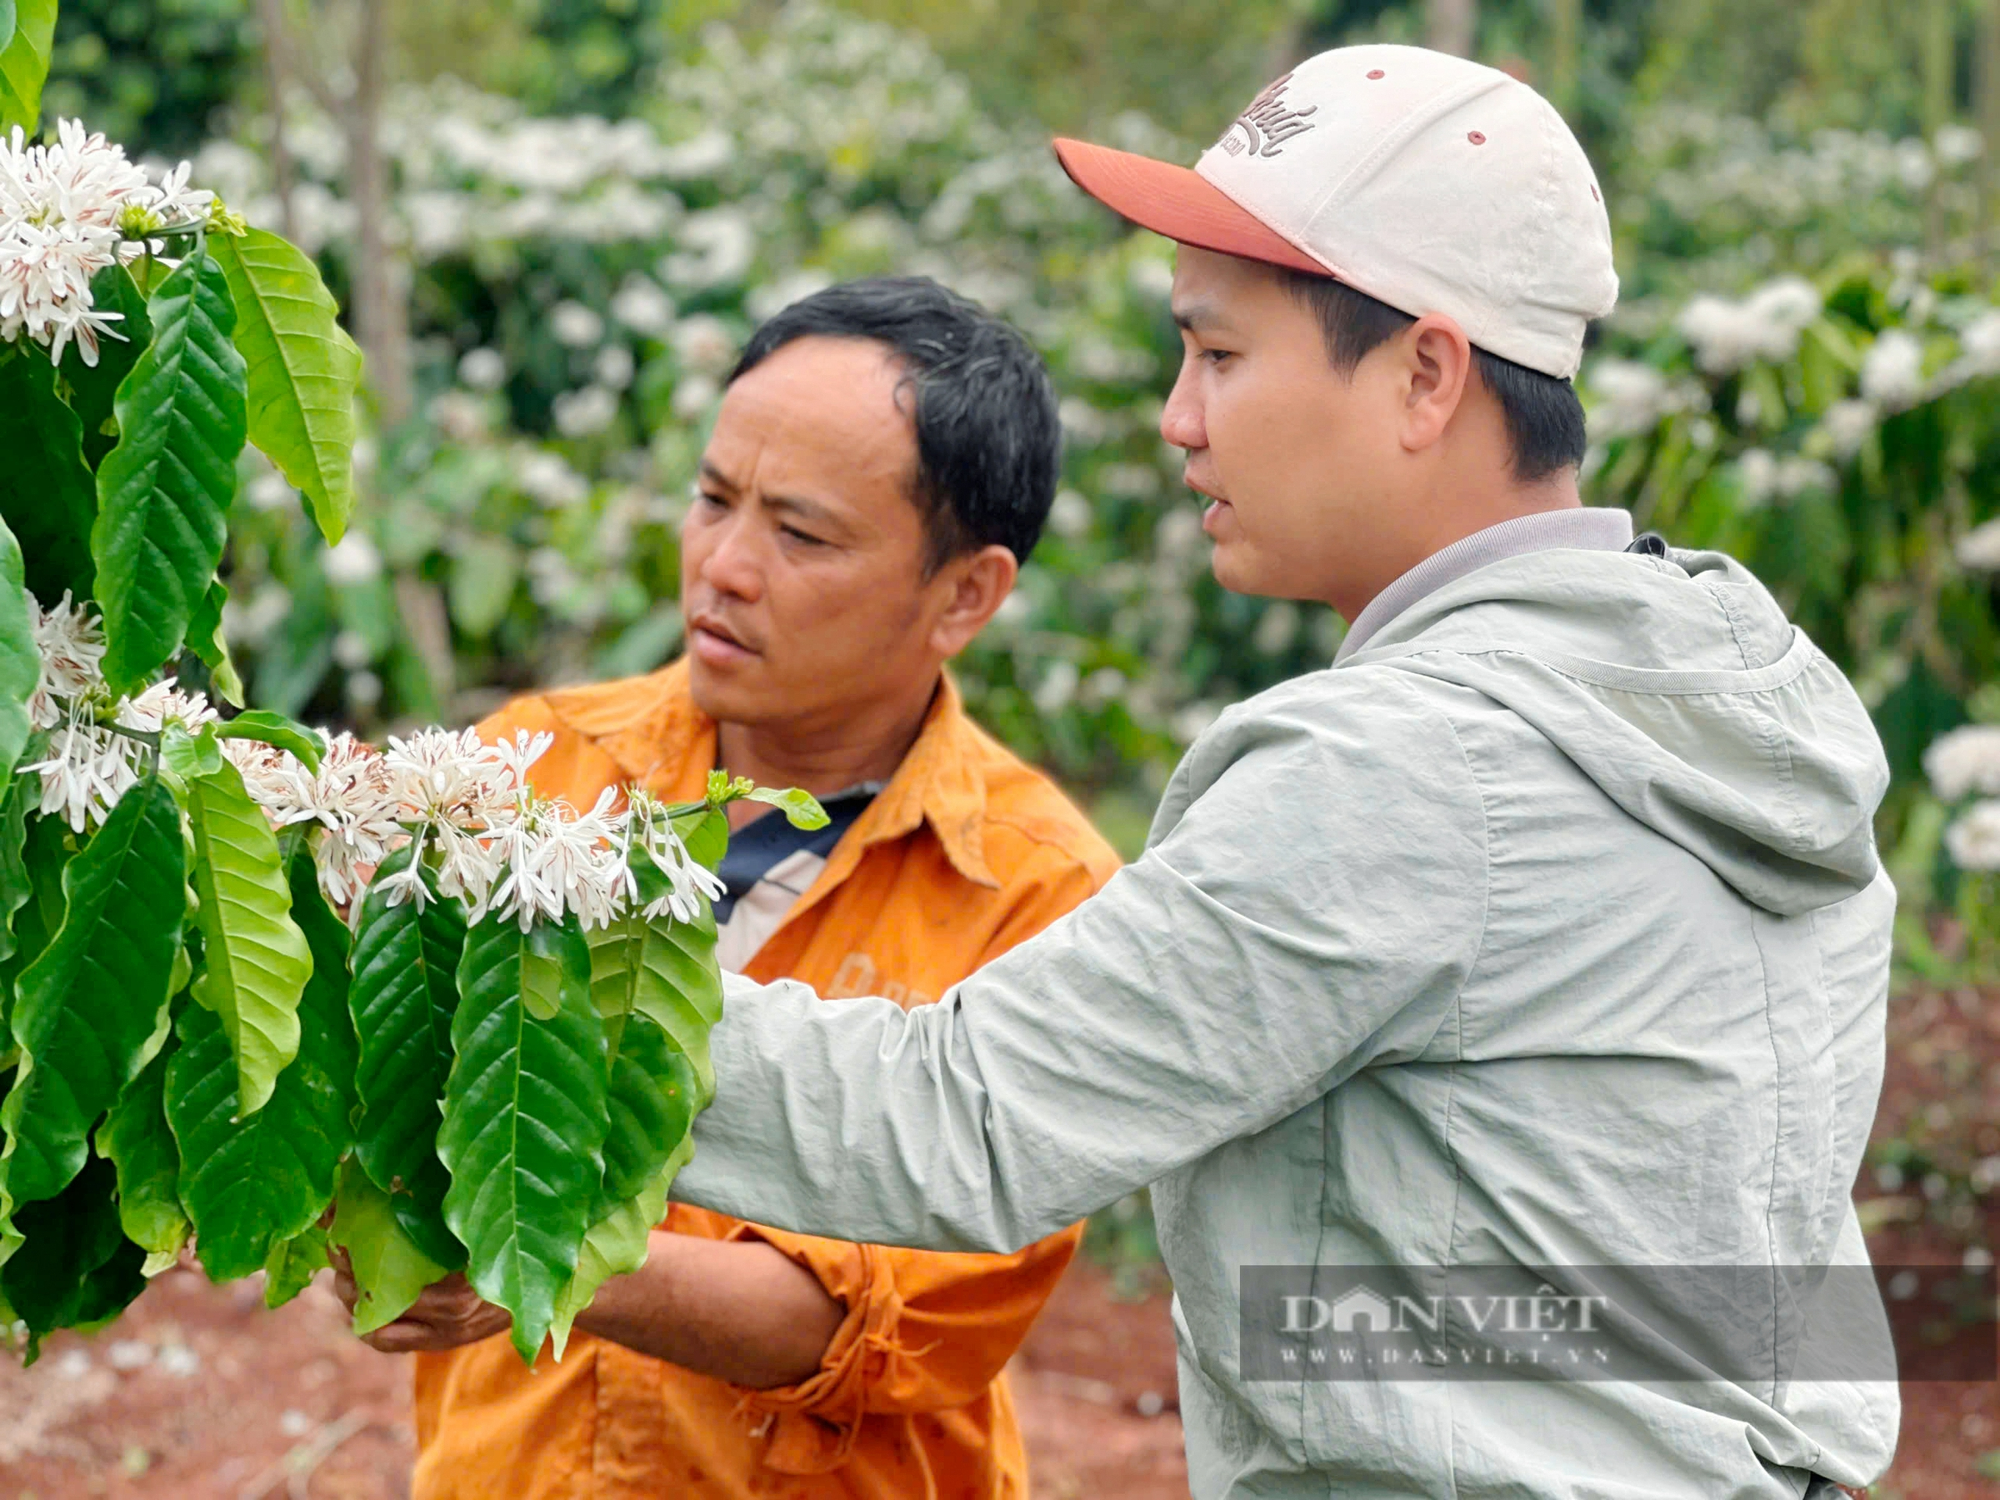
1437,366
974,586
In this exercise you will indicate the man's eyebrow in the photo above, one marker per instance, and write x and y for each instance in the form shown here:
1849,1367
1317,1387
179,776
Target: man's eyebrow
716,477
1194,316
805,509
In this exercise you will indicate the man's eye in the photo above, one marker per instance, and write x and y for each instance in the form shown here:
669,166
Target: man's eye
706,497
802,536
1217,356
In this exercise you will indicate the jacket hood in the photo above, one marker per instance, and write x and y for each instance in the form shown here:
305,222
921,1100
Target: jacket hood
1677,685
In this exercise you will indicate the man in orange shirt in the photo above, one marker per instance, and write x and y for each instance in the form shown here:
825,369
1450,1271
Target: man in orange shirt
883,460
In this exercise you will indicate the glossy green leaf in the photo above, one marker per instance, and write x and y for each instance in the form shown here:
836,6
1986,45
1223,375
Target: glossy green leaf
292,1265
705,832
390,1272
404,991
89,1007
616,1245
16,884
206,641
255,962
20,664
48,496
7,22
93,389
275,729
800,807
163,493
137,1140
75,1267
524,1120
24,64
665,971
252,1181
303,370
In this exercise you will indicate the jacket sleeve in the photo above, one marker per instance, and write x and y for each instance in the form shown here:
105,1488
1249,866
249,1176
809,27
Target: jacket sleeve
1312,902
925,1330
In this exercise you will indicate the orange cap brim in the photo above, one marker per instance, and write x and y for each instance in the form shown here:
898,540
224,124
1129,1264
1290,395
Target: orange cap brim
1178,203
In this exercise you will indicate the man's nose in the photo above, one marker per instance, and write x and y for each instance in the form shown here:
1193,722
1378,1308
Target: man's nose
732,563
1181,420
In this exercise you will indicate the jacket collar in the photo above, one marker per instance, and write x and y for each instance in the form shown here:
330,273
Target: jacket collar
664,743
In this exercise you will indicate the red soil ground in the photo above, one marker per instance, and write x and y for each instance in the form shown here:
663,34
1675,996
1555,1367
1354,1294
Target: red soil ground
199,1394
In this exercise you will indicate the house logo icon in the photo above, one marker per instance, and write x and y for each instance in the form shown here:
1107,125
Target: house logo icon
1359,1310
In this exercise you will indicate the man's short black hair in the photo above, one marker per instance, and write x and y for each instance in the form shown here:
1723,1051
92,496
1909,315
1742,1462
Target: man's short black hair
1544,417
989,441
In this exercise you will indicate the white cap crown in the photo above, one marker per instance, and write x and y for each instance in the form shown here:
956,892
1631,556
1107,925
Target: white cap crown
1433,184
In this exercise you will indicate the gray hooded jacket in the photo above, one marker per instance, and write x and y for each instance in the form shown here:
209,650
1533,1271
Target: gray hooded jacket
1546,928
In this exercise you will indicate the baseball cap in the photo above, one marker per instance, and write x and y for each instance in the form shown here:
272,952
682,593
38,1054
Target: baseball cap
1430,182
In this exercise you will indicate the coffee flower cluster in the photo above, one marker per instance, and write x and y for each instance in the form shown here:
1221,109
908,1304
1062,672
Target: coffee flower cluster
68,211
480,833
1966,763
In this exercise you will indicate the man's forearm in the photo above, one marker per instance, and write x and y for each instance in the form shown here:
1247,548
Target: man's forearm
736,1310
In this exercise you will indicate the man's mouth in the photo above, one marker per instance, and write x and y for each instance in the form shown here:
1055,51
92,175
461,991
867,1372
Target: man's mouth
715,642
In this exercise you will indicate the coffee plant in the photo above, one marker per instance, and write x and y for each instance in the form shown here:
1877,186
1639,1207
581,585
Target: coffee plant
265,991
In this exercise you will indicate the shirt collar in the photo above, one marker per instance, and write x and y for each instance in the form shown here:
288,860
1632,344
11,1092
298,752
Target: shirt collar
1586,528
663,742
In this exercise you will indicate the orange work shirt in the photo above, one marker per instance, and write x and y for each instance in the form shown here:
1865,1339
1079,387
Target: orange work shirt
964,853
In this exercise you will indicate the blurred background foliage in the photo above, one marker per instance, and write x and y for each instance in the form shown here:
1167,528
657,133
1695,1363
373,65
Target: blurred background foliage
554,221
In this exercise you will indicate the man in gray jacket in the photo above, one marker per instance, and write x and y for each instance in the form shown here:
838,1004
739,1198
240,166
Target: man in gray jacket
1545,929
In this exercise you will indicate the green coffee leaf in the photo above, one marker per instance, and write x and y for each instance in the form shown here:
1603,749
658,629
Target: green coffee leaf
615,1245
163,493
47,495
24,64
255,961
663,970
705,832
404,991
93,389
205,641
75,1267
524,1119
303,370
275,729
292,1265
251,1182
20,664
88,1009
390,1272
800,807
7,19
137,1141
16,885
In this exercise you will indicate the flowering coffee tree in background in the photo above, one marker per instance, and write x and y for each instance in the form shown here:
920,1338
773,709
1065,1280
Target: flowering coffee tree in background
492,1064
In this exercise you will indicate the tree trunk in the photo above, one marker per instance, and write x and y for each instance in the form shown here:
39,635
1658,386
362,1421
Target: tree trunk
1451,25
271,15
381,313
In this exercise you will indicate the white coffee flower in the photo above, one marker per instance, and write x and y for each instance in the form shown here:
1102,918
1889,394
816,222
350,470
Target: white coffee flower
352,560
68,210
1964,761
545,478
1978,551
575,325
1974,840
614,367
70,642
1892,373
482,369
1726,335
586,412
1847,425
642,307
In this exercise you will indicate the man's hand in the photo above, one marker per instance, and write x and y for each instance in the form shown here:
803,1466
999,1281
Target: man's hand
448,1314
